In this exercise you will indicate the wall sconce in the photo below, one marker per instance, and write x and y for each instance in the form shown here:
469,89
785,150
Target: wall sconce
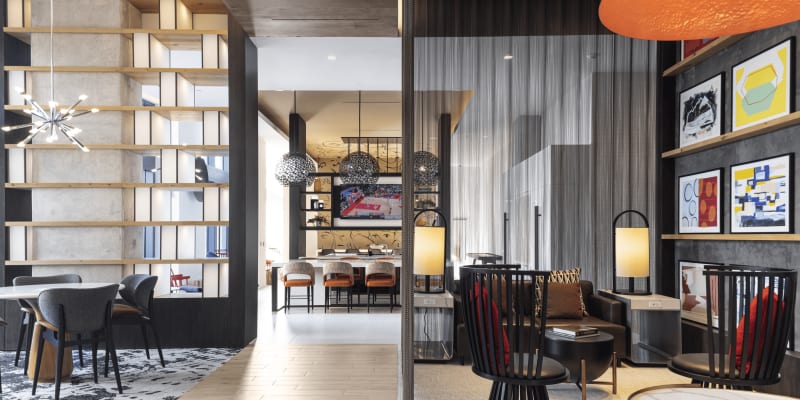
631,254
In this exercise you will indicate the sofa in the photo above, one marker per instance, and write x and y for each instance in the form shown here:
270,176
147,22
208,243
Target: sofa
604,313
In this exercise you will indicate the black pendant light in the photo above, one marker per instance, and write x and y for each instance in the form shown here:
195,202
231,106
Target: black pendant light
426,164
359,168
296,168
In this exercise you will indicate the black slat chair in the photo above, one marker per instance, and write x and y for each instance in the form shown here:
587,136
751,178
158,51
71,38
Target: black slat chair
136,308
29,316
496,326
66,312
753,310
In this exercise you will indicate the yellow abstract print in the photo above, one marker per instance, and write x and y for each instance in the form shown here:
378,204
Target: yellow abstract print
761,87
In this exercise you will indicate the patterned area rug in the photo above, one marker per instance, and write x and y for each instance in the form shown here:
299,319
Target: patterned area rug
141,378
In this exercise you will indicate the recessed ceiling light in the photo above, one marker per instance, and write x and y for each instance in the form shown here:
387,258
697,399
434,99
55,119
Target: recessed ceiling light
332,57
507,57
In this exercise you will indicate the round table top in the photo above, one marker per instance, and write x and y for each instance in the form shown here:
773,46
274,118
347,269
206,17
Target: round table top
599,337
32,291
685,393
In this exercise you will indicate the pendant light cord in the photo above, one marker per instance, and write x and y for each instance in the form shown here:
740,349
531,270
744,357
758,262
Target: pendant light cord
359,120
52,79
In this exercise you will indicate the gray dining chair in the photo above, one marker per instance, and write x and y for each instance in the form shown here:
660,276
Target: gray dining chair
68,312
136,308
29,316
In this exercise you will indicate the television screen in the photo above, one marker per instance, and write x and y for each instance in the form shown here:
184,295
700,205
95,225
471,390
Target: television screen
378,201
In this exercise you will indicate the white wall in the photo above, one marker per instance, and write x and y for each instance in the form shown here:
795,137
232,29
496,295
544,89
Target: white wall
273,227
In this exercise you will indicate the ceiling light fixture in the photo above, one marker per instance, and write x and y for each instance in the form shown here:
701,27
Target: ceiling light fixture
507,57
359,168
296,168
426,164
331,57
54,119
694,19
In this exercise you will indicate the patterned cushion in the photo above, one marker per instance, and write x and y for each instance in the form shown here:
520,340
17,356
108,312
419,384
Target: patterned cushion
564,276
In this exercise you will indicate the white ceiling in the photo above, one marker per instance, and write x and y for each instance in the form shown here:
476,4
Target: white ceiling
301,63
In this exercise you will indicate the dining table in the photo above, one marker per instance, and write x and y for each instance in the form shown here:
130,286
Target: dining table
47,370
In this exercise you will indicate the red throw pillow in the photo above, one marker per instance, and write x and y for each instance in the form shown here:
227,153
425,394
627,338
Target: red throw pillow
482,310
751,330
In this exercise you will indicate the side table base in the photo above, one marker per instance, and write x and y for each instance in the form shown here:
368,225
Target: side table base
582,384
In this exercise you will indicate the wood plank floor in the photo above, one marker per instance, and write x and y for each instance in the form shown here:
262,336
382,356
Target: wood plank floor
270,371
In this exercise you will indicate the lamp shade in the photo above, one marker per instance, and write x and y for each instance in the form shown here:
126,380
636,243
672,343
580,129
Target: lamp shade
429,250
632,252
694,19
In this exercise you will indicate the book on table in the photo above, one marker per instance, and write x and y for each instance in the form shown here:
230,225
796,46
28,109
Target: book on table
575,331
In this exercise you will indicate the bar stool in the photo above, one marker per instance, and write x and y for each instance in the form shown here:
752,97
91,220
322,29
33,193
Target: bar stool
358,278
338,275
302,275
380,274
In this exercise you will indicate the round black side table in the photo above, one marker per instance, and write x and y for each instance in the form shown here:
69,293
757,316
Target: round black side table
586,358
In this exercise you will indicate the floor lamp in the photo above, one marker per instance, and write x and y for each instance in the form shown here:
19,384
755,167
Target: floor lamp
429,250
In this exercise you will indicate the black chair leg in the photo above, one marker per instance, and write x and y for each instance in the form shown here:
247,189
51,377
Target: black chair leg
158,343
94,357
144,338
286,296
59,363
28,343
349,298
80,351
22,325
368,300
308,299
110,345
39,351
327,298
105,373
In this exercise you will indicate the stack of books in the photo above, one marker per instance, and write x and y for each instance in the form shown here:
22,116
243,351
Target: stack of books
575,331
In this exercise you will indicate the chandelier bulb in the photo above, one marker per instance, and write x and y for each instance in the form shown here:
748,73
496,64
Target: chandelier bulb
82,97
52,104
95,110
6,129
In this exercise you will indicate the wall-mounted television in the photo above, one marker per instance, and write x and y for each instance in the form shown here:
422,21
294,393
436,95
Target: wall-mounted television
378,204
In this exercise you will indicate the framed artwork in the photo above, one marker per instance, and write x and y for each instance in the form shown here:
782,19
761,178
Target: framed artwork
689,47
700,111
763,86
694,299
761,196
699,202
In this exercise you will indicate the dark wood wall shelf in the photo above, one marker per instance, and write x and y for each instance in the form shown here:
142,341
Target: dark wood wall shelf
731,137
351,228
703,54
768,237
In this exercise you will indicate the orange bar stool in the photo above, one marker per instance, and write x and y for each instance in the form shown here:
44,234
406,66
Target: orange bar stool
298,274
380,275
337,275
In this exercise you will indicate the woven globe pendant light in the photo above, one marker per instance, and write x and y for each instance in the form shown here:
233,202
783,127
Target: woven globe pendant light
694,19
358,167
426,168
295,169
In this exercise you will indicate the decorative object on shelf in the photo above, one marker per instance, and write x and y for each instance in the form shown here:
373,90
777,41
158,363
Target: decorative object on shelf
689,47
54,119
631,254
321,205
699,202
678,20
317,220
426,164
295,169
314,204
761,196
359,168
701,109
694,299
762,86
430,244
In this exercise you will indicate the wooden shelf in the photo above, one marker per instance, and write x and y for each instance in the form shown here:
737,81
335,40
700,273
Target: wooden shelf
771,237
146,76
112,185
350,228
140,148
171,113
712,48
731,137
317,193
59,224
185,39
195,6
116,262
315,209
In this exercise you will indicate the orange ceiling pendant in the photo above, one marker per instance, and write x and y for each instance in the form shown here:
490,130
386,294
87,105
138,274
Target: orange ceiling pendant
694,19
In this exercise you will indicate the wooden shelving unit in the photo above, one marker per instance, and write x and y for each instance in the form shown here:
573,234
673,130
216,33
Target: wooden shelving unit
112,185
172,113
731,137
767,237
199,149
147,76
57,224
702,54
350,228
185,38
118,261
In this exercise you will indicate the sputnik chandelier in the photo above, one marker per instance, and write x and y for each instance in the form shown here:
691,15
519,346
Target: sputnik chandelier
53,120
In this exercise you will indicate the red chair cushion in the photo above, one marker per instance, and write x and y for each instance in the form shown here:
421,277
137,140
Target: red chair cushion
499,347
762,329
